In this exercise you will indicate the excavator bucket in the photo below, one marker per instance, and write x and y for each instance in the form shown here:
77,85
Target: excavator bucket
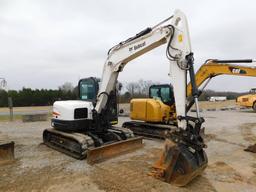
6,151
104,152
179,164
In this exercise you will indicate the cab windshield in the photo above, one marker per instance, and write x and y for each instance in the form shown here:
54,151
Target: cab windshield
88,89
162,92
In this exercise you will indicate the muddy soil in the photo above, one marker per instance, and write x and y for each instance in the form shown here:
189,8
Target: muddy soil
39,168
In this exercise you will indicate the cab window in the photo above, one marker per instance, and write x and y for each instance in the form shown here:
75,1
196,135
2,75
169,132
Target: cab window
163,93
88,89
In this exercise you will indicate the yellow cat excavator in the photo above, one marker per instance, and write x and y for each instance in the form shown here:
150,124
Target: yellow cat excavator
248,100
156,115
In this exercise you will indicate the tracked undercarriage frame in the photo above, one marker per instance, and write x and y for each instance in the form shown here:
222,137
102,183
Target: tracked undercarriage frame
149,130
94,147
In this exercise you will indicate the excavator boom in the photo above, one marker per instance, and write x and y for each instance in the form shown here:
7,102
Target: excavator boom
213,68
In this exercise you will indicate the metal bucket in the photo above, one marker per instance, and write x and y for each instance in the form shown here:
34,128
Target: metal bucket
179,164
6,152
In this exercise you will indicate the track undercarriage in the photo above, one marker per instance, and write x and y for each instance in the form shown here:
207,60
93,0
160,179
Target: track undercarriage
77,144
149,130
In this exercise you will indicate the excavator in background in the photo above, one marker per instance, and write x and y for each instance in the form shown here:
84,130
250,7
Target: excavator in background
156,115
248,100
84,128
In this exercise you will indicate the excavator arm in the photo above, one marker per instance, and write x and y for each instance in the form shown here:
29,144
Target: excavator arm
183,157
213,68
176,36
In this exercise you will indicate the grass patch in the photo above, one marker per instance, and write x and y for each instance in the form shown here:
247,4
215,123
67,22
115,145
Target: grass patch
7,117
15,117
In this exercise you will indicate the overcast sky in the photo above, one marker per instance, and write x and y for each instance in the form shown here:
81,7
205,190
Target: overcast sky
44,43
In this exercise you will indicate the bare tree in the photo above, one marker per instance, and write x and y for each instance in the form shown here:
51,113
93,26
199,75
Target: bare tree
144,86
131,88
139,88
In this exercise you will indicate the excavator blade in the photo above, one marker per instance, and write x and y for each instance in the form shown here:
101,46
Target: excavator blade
179,164
99,154
6,152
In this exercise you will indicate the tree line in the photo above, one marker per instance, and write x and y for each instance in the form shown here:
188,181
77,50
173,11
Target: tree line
43,97
206,94
37,97
140,89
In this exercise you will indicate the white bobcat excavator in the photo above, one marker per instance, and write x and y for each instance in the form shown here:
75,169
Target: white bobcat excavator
85,128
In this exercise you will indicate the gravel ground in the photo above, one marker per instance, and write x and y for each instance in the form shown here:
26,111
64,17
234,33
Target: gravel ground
39,168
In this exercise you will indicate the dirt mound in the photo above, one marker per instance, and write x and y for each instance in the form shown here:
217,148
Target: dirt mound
132,176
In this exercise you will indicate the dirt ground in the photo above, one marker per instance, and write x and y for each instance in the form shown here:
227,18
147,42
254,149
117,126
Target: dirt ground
39,168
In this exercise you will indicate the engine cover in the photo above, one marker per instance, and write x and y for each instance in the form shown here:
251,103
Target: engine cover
72,110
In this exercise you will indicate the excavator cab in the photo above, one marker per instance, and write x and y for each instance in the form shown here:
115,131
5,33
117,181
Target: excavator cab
157,108
163,92
88,90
